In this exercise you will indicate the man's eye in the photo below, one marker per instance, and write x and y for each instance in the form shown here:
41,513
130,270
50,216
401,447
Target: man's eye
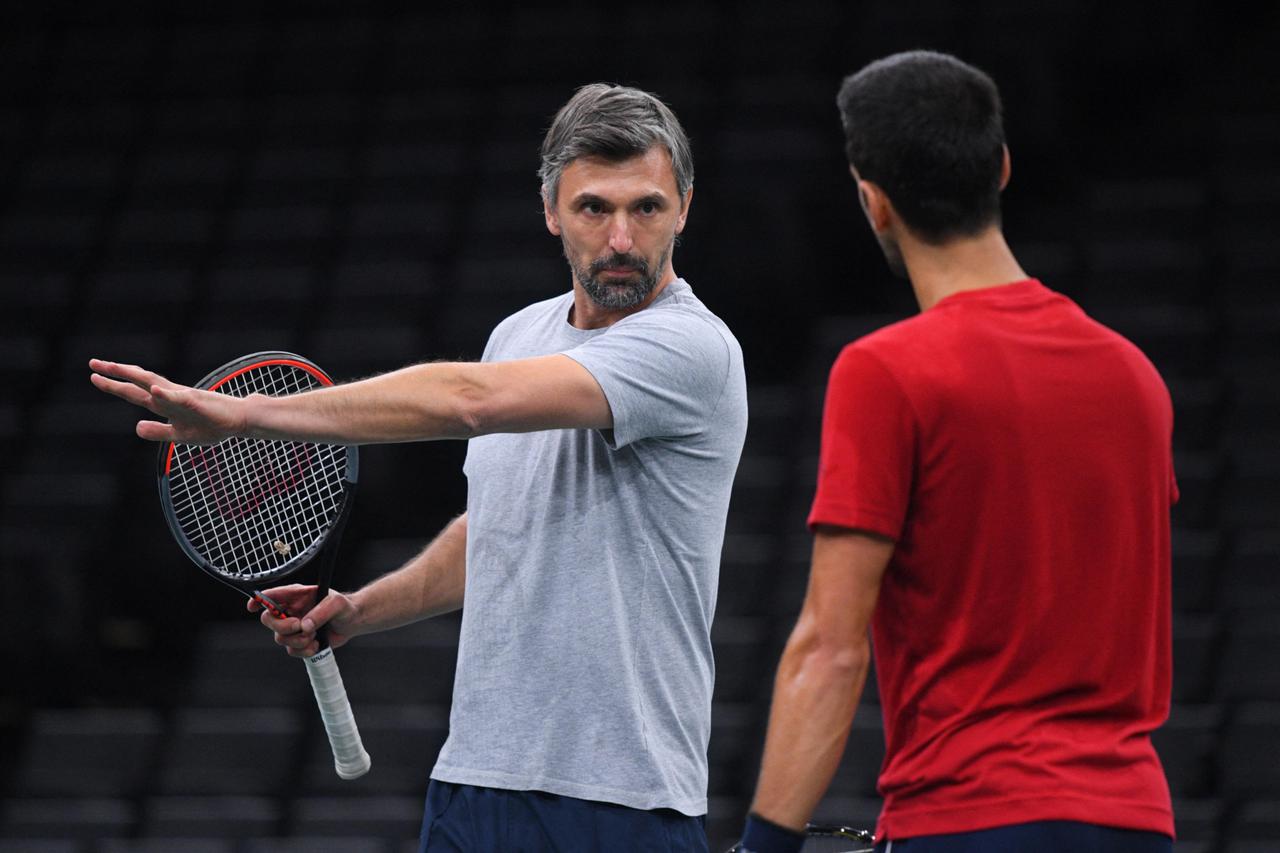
649,207
593,208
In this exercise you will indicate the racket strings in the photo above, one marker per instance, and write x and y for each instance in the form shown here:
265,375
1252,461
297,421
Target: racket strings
253,507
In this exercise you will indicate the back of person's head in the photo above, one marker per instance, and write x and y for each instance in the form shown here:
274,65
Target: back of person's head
927,129
616,123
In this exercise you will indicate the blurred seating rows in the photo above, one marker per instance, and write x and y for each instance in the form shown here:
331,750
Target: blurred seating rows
354,185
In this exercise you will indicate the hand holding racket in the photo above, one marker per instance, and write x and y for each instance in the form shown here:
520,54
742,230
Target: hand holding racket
300,634
247,511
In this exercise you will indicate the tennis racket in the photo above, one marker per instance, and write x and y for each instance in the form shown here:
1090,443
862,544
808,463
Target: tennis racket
251,512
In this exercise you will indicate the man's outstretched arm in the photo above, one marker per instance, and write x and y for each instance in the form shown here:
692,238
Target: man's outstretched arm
422,402
820,676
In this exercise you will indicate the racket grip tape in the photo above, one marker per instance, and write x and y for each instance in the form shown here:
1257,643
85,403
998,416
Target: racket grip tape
349,757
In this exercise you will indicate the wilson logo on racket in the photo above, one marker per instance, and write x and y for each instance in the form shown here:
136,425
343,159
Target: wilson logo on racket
271,477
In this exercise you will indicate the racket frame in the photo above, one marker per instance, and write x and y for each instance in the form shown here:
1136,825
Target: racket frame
333,533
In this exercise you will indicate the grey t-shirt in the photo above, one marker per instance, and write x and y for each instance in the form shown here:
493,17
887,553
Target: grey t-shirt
584,664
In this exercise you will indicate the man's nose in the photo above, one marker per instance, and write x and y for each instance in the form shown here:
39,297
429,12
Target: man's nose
620,234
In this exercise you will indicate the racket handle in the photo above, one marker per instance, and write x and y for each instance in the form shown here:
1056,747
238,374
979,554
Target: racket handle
349,757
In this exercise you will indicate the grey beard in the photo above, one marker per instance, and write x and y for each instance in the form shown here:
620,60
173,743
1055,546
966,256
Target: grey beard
623,294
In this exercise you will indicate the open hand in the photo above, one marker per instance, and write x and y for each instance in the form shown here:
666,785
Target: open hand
195,417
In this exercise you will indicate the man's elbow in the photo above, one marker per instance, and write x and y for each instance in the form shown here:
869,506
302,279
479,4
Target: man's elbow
471,415
832,659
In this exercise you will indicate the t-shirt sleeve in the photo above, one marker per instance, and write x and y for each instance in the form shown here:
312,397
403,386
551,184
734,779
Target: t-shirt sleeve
662,371
868,448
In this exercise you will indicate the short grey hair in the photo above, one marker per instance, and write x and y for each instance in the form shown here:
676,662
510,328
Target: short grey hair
616,123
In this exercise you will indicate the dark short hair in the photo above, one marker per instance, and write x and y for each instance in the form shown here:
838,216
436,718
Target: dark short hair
927,129
613,122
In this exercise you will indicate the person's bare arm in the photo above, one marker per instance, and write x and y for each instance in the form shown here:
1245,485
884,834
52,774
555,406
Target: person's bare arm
428,585
820,676
422,402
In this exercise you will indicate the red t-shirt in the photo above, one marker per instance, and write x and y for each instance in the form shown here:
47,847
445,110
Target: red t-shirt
1019,454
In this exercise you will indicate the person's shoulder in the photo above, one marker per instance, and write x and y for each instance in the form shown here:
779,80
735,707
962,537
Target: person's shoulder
681,311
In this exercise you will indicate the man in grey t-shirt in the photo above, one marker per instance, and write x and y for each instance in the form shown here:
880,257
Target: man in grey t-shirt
606,425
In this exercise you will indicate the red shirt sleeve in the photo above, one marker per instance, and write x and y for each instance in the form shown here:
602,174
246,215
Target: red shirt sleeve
869,433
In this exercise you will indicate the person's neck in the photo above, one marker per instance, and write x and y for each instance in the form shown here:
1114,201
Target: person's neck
968,263
586,313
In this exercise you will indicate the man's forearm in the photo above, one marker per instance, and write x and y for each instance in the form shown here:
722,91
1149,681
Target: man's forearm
425,401
430,584
816,692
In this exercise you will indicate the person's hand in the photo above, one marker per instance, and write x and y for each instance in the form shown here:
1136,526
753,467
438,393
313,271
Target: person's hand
297,632
195,417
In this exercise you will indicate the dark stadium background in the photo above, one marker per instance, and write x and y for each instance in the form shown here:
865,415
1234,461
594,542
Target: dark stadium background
183,183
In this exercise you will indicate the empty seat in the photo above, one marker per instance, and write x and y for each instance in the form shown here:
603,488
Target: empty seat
1199,406
1197,563
80,818
91,752
733,754
748,572
18,844
1186,745
1257,820
1249,845
402,740
1249,580
385,290
166,845
210,817
411,665
241,751
1200,478
195,171
743,668
859,768
1251,495
1249,755
760,492
1198,819
388,817
1181,846
347,350
298,224
1249,666
316,844
259,294
217,118
236,664
209,345
856,812
1195,648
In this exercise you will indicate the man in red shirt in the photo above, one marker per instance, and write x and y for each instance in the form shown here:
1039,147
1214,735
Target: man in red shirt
993,501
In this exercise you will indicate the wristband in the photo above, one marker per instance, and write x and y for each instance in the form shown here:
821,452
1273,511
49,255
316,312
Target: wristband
763,836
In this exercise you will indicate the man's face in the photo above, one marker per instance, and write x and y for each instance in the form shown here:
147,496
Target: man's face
618,222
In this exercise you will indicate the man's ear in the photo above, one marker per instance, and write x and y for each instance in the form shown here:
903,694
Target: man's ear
1006,168
684,209
549,213
876,204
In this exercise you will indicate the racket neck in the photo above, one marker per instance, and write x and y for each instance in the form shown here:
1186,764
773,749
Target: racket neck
328,558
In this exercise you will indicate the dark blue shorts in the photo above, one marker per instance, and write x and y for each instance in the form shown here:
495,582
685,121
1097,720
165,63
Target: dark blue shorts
1046,836
469,819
